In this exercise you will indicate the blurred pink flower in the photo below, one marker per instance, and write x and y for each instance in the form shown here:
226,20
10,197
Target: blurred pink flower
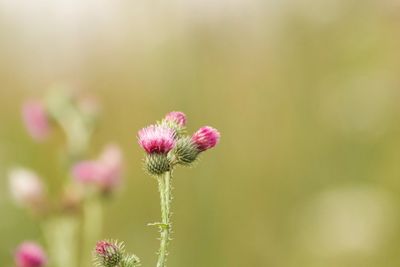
26,187
205,138
30,254
36,120
156,139
105,171
177,117
86,171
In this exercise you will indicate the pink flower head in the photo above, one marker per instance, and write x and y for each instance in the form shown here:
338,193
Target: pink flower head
105,171
30,254
36,120
177,117
206,138
156,139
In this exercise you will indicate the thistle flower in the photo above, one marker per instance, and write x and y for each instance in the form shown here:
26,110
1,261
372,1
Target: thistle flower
108,253
205,138
104,172
36,120
156,139
30,254
176,117
26,187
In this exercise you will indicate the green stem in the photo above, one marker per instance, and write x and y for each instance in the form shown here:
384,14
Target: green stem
164,183
92,227
61,234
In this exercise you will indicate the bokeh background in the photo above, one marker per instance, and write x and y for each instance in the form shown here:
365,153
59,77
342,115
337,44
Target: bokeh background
305,93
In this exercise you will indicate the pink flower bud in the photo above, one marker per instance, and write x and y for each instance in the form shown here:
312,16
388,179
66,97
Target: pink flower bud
36,120
103,247
30,254
206,138
176,117
26,187
156,139
108,254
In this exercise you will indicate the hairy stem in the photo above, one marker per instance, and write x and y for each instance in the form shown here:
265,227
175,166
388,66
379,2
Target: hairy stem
164,183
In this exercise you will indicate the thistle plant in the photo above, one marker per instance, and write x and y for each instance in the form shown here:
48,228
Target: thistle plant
167,146
72,220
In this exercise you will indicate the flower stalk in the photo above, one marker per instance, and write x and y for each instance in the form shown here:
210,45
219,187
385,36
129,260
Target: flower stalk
164,184
92,225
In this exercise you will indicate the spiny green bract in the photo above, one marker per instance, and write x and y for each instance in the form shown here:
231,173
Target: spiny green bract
185,151
157,164
130,261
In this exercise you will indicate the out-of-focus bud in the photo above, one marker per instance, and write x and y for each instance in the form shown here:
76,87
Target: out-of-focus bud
112,157
36,120
206,138
26,187
105,172
30,254
185,151
108,253
112,165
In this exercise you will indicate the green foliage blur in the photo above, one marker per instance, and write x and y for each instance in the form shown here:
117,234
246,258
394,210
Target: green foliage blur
305,94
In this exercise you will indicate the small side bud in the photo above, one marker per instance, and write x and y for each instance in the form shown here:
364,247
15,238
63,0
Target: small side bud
206,137
185,151
108,253
177,117
157,164
130,261
176,121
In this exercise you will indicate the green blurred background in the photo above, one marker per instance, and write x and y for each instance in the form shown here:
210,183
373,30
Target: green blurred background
305,94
